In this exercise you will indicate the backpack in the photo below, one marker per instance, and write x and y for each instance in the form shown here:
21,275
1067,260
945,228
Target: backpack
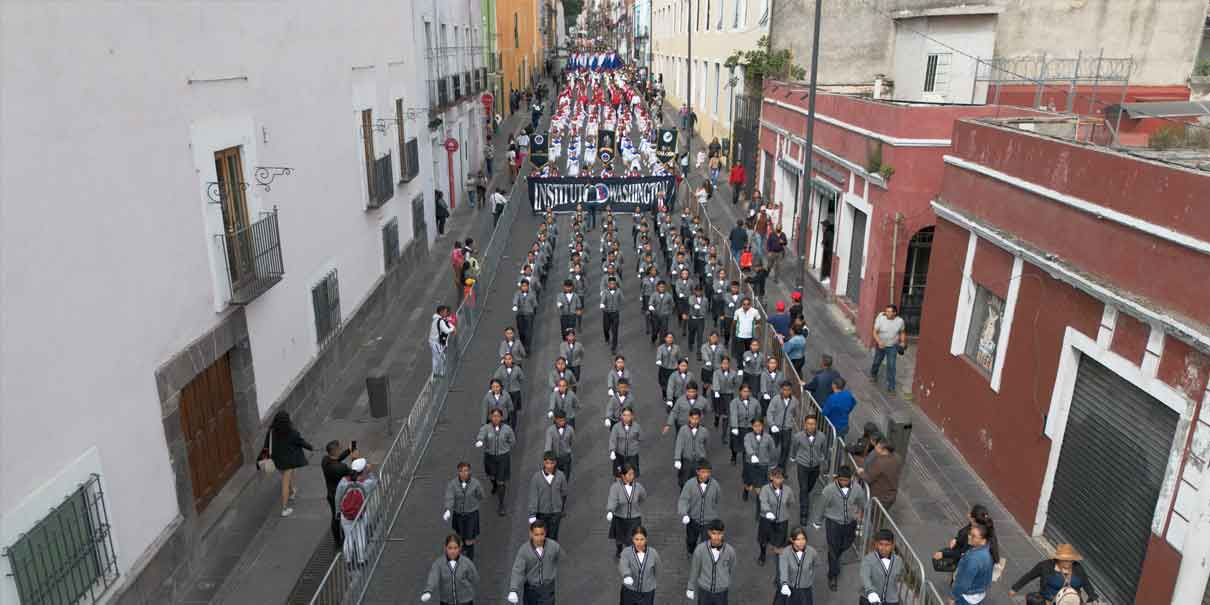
472,268
745,259
353,500
1068,596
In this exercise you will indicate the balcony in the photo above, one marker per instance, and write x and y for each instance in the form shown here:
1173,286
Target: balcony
382,189
254,261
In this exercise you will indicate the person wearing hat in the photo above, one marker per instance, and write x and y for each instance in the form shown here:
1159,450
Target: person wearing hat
711,568
780,320
842,504
1061,571
974,573
795,310
352,506
881,571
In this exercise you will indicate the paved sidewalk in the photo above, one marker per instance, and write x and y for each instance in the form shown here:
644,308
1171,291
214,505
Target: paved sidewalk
938,487
267,555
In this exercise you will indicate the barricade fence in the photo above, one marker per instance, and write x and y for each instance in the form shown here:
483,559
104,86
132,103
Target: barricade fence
915,588
348,576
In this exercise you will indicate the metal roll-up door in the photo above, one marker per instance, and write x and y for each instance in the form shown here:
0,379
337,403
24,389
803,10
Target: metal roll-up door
1114,456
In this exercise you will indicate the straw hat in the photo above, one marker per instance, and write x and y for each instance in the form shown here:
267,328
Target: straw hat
1067,552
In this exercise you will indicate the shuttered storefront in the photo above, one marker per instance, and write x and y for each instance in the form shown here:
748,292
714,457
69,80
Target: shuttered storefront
1115,452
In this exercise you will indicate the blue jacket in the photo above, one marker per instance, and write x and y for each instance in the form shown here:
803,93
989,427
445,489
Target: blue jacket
838,407
795,347
780,323
974,573
820,385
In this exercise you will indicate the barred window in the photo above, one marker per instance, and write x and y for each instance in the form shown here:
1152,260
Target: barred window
325,299
390,243
418,223
68,557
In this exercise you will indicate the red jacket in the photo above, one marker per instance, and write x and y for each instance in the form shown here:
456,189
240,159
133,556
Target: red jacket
737,175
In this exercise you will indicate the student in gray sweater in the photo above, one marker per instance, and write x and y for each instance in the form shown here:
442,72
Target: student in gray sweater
452,577
547,493
881,571
462,497
678,382
497,399
525,303
511,344
776,500
624,438
619,398
496,440
678,414
611,308
561,372
535,569
622,508
666,357
618,373
691,447
639,566
796,570
573,352
512,377
808,451
660,306
698,505
711,568
783,409
563,400
559,438
842,504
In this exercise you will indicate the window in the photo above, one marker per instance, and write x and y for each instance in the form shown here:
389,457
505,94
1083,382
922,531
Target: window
390,243
412,170
401,131
983,336
740,10
418,223
229,169
936,72
709,6
367,142
717,85
428,37
68,557
325,301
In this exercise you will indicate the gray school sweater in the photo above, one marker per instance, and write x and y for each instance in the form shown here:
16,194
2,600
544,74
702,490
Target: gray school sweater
460,499
511,380
742,413
660,303
835,506
566,402
525,304
547,498
644,574
708,574
621,505
552,379
795,571
452,584
625,442
676,385
559,444
809,450
691,446
727,383
712,355
667,355
515,347
781,412
881,579
614,377
680,410
781,506
529,568
764,448
505,403
496,442
574,354
612,300
770,384
701,506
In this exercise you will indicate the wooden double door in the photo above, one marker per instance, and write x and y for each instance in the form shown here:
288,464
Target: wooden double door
211,430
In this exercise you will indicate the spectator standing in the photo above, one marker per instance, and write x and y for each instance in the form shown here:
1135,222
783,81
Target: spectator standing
839,406
1060,573
736,180
974,573
776,248
795,348
780,320
442,212
881,473
489,157
499,201
334,469
352,496
820,385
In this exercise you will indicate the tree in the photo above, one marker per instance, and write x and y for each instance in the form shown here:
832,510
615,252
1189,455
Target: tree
571,10
761,63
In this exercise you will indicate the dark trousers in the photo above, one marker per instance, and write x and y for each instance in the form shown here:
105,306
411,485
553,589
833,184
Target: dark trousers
516,397
664,373
711,598
741,345
807,476
338,535
695,533
441,225
563,463
612,326
524,325
782,439
660,323
735,189
552,524
539,595
840,538
724,330
688,469
566,322
798,596
697,326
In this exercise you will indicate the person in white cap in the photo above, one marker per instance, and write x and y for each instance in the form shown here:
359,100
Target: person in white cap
354,507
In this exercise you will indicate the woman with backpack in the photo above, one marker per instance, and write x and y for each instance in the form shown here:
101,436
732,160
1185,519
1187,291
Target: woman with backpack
1061,580
284,445
352,505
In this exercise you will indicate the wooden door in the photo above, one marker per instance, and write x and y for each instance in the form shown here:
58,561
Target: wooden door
229,168
208,422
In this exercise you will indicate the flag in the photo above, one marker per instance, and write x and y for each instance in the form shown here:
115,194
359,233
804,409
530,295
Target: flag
665,145
539,149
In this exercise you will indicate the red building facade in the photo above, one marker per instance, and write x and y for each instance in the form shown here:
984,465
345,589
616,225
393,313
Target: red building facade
877,167
1064,347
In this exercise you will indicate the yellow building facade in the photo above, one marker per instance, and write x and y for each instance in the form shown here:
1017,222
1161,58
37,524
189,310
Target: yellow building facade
519,42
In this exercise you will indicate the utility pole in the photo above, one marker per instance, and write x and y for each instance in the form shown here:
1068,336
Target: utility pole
689,97
808,153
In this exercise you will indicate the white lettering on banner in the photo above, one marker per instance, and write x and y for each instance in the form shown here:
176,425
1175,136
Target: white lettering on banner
622,194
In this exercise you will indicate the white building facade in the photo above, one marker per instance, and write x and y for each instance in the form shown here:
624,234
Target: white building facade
201,205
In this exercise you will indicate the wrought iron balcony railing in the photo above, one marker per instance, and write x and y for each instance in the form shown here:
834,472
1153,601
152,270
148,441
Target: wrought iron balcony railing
254,261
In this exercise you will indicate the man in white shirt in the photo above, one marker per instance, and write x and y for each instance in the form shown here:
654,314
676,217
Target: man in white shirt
498,204
744,328
440,329
890,340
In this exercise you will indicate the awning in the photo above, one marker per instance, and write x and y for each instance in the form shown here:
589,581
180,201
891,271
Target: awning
1162,109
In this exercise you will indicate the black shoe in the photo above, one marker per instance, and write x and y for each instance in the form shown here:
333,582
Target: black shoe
760,560
745,495
500,512
832,584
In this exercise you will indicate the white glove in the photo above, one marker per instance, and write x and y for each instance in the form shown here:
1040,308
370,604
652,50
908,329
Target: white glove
873,598
689,594
785,589
716,394
676,464
514,308
609,516
629,581
550,414
602,305
611,392
613,456
685,520
478,444
513,598
707,364
560,304
445,516
770,516
668,403
735,431
774,429
424,597
650,307
766,396
608,423
532,519
755,460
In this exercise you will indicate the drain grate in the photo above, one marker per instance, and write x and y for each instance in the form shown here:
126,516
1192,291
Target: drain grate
313,573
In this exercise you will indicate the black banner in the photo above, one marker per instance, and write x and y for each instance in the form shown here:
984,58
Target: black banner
539,149
622,194
665,145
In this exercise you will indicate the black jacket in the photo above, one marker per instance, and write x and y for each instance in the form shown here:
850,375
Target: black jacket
1046,567
334,470
288,453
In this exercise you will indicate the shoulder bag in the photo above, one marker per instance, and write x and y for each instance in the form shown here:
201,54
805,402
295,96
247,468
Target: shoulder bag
265,461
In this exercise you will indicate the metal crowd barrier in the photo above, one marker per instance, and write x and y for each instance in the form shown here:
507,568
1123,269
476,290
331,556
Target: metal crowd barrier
348,576
916,588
